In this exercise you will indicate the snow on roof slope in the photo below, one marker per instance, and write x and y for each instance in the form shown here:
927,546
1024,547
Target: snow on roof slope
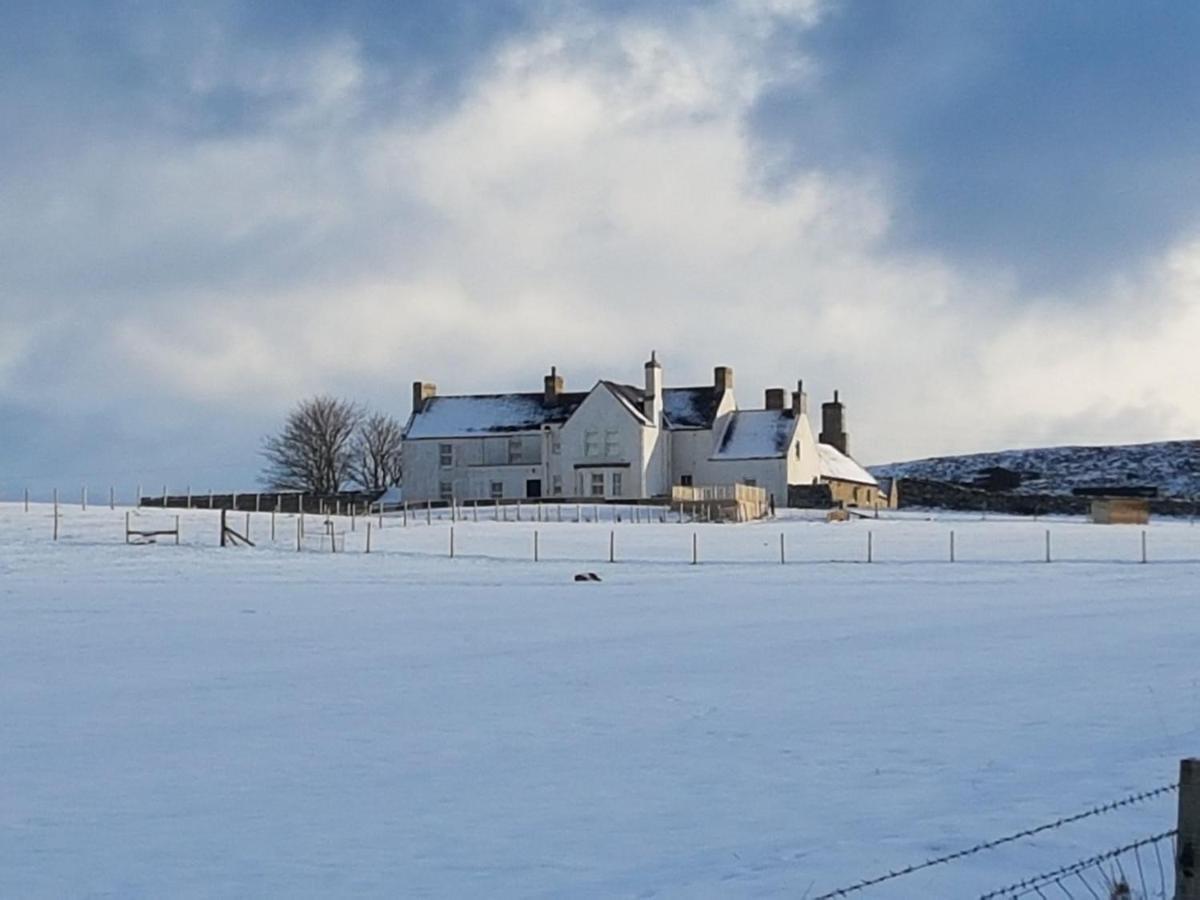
757,434
690,407
840,467
444,417
630,397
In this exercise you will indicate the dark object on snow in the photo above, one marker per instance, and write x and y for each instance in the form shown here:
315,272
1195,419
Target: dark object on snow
587,576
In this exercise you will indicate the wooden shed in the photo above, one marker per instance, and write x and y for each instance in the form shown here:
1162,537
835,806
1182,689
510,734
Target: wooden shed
1120,511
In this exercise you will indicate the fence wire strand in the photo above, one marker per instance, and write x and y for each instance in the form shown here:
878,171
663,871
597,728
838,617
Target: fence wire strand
1032,884
1008,839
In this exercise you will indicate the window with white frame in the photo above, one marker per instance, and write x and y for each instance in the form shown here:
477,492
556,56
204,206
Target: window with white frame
612,443
497,490
445,455
516,450
797,449
556,485
597,484
750,482
591,443
446,490
616,484
685,480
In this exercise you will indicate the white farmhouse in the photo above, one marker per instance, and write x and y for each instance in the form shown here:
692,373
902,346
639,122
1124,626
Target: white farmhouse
619,441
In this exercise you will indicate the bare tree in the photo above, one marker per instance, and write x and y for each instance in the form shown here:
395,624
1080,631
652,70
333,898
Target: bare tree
377,452
314,451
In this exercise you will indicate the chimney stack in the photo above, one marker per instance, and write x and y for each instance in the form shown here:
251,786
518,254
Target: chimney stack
422,391
774,398
723,379
833,425
799,400
652,400
552,387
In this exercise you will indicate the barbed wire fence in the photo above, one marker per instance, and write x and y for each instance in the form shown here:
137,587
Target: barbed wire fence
1137,870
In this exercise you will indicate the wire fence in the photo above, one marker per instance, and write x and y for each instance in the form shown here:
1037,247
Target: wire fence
1104,876
568,532
980,847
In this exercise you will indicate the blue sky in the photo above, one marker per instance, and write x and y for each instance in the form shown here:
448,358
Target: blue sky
980,221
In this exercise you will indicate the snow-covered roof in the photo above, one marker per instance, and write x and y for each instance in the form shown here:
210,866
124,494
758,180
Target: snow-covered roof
757,434
464,416
839,467
690,407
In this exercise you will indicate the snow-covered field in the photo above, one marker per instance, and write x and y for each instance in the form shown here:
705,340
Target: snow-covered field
192,721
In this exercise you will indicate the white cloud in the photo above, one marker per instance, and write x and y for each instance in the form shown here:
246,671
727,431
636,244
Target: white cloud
593,195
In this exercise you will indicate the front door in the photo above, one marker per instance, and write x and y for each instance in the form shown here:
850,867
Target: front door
533,487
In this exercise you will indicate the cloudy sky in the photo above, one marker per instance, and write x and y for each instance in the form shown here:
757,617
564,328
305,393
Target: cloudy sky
980,221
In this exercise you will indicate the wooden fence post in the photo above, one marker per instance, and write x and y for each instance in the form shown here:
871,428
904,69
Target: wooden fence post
951,545
177,531
1047,545
1143,545
127,526
535,545
83,498
112,497
368,537
56,514
782,552
26,499
870,546
612,546
695,549
452,542
1187,857
222,526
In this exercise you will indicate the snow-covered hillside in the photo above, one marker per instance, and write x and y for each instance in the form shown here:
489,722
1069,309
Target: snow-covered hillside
187,721
1171,466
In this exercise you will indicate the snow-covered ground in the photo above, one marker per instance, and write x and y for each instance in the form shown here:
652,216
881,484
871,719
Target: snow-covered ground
1171,466
192,721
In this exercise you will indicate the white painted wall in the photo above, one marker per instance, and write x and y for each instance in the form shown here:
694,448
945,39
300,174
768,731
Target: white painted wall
807,468
477,461
602,412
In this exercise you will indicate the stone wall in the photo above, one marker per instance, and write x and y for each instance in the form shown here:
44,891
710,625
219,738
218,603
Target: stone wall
925,493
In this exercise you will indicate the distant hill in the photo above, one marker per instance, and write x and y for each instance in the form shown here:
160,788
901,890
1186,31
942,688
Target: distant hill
1171,466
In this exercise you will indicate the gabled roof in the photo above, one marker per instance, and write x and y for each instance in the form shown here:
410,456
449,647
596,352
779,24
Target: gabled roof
690,407
757,434
478,414
631,397
837,466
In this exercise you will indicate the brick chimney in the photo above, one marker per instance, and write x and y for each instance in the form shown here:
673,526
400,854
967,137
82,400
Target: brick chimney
833,425
799,400
552,387
422,391
774,398
723,379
